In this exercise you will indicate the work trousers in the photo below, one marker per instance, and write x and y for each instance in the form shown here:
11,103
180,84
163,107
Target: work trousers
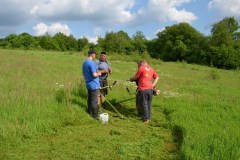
92,103
144,98
104,83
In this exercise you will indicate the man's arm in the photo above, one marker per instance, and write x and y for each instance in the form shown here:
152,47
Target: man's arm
96,74
155,81
136,76
133,78
109,70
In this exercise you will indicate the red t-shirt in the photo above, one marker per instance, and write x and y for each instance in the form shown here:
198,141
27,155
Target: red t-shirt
145,75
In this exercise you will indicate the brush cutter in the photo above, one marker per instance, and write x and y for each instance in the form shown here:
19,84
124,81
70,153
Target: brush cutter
155,90
119,114
131,93
110,87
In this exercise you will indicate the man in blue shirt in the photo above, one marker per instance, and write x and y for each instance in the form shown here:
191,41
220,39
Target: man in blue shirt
91,76
104,67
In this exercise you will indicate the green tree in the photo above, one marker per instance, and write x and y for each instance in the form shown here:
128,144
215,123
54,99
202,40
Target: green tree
225,44
48,43
65,43
179,42
82,43
118,42
60,39
9,41
25,41
139,42
72,43
225,32
151,48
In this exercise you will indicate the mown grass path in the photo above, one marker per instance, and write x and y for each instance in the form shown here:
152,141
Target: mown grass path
125,138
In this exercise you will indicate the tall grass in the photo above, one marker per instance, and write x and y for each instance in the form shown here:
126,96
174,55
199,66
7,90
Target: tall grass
207,111
28,90
43,110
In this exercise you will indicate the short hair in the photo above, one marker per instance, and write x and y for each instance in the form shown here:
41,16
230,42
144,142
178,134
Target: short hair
91,51
103,52
142,62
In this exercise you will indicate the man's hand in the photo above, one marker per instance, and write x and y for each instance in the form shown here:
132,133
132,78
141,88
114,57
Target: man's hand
110,71
134,78
99,73
104,71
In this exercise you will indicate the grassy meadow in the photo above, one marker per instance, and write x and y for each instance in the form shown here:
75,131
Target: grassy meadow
43,110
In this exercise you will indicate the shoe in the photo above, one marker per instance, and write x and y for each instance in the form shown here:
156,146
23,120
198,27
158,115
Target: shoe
146,121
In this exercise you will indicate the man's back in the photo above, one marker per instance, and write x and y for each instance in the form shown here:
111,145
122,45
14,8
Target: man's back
145,75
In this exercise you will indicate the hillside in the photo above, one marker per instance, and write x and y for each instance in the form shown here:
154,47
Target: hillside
43,111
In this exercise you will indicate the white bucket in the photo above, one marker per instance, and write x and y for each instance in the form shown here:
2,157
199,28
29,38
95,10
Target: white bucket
104,118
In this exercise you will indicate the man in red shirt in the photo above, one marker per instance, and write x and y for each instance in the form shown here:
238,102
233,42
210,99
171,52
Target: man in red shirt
144,77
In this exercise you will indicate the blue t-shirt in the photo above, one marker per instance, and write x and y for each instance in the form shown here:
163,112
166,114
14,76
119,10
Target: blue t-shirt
88,68
101,65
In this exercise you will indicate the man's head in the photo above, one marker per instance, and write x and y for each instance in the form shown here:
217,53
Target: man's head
92,53
142,62
103,55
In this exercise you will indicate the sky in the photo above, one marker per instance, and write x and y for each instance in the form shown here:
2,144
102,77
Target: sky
95,18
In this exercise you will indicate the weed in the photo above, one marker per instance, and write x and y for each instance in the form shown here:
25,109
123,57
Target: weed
213,74
60,94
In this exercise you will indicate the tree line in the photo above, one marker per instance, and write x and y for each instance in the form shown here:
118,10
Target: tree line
179,42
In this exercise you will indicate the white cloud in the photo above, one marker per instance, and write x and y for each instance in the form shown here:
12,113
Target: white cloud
180,15
226,7
113,11
164,11
99,14
92,39
41,29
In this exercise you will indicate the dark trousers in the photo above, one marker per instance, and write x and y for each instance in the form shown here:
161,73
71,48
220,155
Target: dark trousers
137,104
92,103
104,83
144,98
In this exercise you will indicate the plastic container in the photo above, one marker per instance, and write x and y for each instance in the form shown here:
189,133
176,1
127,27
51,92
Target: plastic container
104,118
